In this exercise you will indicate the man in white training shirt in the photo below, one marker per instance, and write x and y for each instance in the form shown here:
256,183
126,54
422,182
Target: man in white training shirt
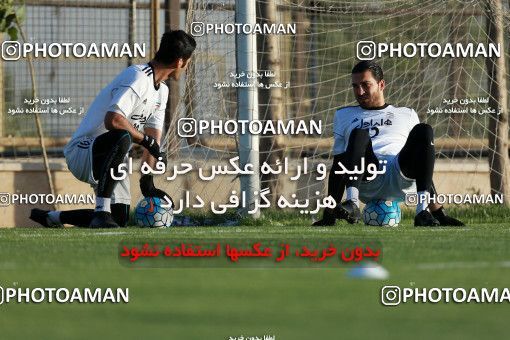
131,109
377,134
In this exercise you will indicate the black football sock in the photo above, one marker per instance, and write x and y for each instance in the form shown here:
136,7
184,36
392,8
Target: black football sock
417,157
358,147
120,214
109,151
336,182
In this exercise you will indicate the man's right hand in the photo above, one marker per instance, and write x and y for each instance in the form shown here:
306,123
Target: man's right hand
151,145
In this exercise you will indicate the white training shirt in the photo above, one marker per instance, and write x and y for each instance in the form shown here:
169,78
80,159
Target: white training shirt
388,126
133,95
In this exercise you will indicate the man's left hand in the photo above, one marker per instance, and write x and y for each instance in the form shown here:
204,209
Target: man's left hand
149,190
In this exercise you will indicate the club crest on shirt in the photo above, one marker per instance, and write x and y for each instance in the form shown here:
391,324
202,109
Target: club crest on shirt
139,120
372,125
368,123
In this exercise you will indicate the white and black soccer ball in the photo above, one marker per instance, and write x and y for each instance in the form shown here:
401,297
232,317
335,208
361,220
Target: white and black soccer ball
150,214
382,213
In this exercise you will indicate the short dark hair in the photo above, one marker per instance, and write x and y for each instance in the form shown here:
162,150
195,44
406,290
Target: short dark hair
174,45
366,65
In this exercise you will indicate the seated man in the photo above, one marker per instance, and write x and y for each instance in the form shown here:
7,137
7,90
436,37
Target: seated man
129,109
377,131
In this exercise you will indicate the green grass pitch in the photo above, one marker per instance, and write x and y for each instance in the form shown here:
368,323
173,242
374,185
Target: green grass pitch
296,303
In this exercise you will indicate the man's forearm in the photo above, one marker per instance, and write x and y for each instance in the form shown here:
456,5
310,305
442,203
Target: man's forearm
115,121
146,156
